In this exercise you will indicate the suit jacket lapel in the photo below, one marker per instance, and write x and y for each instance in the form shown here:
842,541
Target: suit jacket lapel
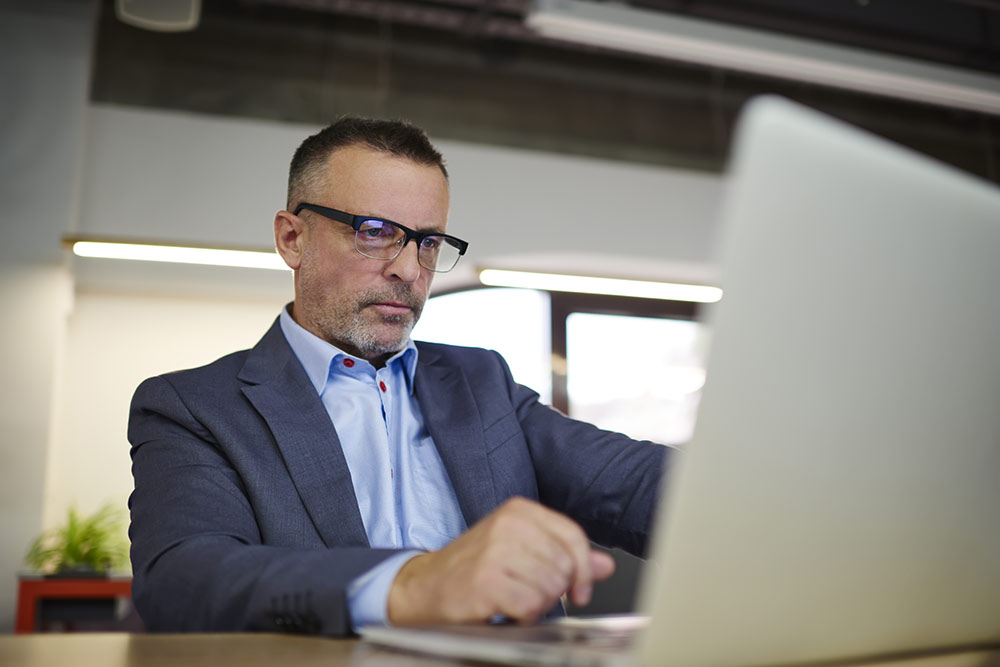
452,418
280,390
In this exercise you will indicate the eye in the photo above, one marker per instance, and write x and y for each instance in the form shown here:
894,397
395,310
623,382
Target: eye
431,242
376,230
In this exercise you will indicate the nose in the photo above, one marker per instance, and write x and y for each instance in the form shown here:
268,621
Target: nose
406,266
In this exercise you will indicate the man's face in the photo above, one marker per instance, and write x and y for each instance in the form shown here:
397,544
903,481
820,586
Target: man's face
366,306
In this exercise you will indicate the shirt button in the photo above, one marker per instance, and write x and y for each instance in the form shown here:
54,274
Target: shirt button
349,363
381,385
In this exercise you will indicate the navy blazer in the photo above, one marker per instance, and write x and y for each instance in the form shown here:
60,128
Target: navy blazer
244,515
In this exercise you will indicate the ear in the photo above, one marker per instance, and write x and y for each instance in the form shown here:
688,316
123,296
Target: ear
290,236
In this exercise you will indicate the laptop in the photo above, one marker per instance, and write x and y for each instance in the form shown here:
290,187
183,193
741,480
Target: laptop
840,498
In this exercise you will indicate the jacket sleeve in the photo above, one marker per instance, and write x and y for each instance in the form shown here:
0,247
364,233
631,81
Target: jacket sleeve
605,481
197,554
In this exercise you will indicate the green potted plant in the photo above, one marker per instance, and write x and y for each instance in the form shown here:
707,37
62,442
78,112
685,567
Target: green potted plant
84,546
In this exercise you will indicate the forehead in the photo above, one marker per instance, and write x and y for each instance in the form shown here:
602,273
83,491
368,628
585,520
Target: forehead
364,181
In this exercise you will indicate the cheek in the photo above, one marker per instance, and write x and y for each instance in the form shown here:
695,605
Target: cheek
331,268
423,285
322,277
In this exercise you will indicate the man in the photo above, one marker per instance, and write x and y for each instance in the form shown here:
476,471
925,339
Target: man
339,474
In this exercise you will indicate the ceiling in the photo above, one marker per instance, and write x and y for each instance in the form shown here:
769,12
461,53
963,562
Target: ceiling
964,33
472,70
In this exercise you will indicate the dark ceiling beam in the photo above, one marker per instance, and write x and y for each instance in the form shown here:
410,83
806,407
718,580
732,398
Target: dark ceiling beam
473,18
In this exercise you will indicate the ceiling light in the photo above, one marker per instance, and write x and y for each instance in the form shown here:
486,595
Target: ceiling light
617,26
643,289
159,15
152,252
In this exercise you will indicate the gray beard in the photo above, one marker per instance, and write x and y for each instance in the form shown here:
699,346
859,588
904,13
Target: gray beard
357,330
361,336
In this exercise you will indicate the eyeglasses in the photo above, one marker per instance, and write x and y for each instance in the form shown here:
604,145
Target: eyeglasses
385,239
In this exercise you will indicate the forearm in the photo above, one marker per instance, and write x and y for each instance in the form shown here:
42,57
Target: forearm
218,585
603,480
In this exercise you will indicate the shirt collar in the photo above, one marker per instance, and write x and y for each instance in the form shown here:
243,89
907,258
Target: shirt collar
316,355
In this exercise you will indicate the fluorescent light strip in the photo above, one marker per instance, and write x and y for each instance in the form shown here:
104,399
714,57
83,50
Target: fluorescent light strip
743,49
178,254
592,285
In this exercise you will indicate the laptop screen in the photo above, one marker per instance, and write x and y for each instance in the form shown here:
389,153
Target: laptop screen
840,493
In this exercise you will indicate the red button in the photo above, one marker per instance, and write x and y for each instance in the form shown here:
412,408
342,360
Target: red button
349,363
381,385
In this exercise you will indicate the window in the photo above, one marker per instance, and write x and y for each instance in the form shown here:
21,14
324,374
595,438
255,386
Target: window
514,322
635,366
641,376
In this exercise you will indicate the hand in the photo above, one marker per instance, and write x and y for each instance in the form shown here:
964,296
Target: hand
518,561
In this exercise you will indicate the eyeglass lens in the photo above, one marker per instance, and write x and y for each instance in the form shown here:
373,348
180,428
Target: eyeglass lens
383,240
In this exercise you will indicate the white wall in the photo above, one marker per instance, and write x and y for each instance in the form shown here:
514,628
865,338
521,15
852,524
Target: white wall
44,65
113,342
170,175
188,177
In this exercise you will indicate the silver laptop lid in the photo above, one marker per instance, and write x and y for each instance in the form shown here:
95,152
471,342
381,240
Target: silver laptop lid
841,495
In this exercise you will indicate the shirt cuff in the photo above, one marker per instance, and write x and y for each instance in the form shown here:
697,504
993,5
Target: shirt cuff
368,595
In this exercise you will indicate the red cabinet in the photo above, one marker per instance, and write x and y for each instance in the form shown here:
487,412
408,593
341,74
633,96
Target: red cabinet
100,595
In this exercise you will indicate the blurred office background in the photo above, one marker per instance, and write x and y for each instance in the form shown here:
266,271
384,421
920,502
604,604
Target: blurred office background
583,158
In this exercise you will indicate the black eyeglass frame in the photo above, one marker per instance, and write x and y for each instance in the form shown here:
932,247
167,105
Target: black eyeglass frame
355,222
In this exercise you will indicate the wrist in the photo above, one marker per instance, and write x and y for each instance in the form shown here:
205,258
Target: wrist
403,606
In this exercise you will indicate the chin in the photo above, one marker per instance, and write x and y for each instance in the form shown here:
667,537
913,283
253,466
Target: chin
391,343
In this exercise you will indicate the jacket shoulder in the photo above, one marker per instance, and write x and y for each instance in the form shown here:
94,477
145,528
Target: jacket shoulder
468,358
456,351
224,367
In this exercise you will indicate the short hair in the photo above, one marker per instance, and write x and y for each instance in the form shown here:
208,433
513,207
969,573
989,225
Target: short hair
395,137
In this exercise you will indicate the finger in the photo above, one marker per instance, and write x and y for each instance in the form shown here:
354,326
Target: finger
525,580
571,542
602,565
543,564
520,601
575,544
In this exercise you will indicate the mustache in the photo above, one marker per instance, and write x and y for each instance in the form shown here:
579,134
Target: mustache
398,294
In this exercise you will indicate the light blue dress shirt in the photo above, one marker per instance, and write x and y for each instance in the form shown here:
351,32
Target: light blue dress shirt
395,467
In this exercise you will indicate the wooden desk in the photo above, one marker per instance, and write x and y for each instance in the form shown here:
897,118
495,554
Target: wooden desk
262,650
196,650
